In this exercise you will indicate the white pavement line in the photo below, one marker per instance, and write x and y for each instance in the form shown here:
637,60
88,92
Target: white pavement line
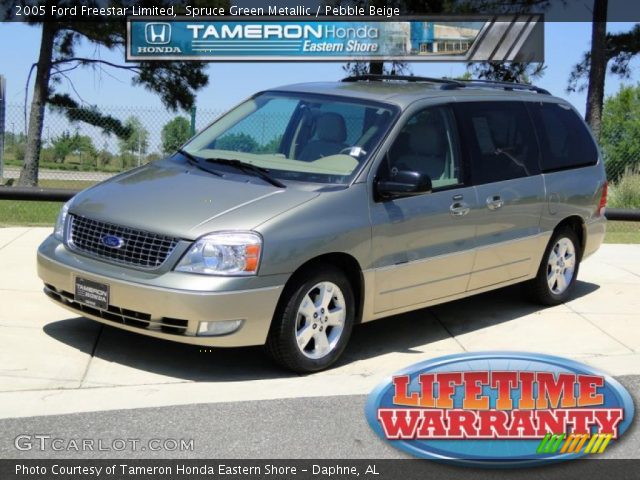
19,232
446,329
33,403
60,402
91,356
620,342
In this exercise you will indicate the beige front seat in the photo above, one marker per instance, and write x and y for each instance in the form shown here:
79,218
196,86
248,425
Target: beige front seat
330,134
427,151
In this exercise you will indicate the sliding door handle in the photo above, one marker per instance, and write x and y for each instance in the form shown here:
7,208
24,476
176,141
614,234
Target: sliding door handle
494,202
459,209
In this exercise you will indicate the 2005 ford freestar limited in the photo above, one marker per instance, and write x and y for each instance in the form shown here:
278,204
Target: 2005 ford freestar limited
310,208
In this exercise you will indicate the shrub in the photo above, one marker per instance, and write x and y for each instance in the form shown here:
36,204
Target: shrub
626,192
620,136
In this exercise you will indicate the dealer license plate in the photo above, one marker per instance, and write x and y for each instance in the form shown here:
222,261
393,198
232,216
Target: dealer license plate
92,293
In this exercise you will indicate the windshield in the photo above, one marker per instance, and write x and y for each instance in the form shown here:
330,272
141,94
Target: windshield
311,138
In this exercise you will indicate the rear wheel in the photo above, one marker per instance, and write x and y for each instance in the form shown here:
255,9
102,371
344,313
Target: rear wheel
313,324
558,270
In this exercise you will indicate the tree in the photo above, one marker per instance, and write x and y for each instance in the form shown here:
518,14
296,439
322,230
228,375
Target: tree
409,7
14,145
12,139
66,144
175,133
612,52
104,158
237,142
507,72
62,147
598,70
175,82
620,134
136,143
272,146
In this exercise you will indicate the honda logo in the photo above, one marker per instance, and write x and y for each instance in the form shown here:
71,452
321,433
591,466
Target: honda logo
157,33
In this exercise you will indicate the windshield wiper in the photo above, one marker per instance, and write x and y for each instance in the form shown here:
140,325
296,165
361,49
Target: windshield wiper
195,161
263,173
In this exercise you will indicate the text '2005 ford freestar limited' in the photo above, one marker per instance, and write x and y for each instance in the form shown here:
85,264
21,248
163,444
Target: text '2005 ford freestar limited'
310,208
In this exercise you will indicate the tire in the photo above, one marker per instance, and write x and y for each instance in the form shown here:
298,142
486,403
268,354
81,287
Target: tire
557,274
313,322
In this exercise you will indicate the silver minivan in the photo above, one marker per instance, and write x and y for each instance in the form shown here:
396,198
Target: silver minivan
311,208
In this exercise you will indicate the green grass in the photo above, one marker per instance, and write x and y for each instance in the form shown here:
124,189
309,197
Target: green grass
66,184
34,213
21,213
71,164
625,193
622,232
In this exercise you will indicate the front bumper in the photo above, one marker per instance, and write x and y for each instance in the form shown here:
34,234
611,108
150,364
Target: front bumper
168,305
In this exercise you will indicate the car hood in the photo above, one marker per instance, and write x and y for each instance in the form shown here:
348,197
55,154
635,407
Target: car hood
180,200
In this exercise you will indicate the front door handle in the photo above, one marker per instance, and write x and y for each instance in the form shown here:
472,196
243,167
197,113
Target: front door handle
494,202
459,209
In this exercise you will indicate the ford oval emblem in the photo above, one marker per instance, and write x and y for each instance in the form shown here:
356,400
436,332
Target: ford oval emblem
112,241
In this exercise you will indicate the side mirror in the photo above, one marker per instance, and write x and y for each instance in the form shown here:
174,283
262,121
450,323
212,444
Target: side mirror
404,183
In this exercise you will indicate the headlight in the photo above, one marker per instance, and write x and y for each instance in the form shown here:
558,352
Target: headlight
223,253
58,231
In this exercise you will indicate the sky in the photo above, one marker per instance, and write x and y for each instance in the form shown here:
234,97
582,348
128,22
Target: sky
230,83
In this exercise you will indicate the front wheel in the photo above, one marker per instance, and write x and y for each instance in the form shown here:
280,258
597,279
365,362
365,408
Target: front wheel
313,324
558,270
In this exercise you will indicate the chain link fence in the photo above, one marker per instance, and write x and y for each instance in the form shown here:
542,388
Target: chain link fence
77,152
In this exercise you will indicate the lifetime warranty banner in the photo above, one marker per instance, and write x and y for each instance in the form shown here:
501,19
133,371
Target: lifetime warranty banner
499,38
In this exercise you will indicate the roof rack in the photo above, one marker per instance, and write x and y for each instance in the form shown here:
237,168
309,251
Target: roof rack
372,77
448,84
503,85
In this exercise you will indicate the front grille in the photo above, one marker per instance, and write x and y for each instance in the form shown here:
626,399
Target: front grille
137,247
123,316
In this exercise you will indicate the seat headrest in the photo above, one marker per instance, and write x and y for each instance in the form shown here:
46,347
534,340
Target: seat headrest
426,140
331,127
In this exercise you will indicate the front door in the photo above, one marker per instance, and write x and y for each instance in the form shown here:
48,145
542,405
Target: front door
423,246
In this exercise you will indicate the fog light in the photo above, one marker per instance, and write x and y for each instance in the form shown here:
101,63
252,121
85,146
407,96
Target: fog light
218,328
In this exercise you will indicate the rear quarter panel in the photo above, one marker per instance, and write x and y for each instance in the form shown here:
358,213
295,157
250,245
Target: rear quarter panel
576,192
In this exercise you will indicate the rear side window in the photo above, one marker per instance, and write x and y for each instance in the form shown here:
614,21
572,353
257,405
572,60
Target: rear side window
564,137
501,140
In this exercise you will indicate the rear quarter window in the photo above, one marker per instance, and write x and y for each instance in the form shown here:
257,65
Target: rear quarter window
499,137
565,140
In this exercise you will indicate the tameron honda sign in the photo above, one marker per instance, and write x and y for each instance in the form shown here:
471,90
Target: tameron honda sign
500,38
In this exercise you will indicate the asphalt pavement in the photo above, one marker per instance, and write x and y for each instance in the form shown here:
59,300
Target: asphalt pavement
331,427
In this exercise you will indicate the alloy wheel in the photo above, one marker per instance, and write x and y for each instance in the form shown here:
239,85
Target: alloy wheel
320,320
561,265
